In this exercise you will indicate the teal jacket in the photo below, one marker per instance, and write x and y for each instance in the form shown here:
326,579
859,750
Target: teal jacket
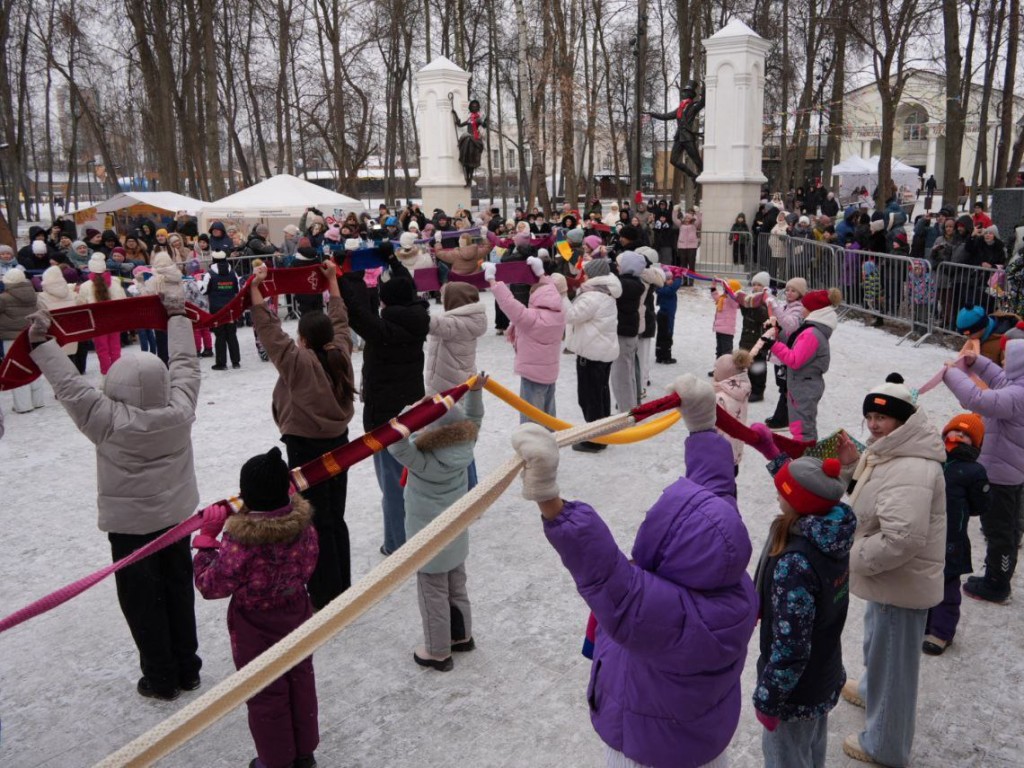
438,460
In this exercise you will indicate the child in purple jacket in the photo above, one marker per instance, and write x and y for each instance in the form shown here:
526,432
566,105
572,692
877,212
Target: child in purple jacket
266,557
674,620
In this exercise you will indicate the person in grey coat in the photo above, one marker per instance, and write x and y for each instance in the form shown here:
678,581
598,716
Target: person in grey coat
437,460
141,425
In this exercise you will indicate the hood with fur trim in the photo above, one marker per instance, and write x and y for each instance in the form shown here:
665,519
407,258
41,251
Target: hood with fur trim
447,435
256,528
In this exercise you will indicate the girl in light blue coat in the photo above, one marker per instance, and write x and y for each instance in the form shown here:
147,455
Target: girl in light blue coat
437,461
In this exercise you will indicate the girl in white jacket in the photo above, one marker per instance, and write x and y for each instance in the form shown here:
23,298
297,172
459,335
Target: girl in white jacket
732,393
591,332
102,286
57,294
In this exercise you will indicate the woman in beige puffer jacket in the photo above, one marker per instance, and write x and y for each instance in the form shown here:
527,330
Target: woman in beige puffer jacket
896,564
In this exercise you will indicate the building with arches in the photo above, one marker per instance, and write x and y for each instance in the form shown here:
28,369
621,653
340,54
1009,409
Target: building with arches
920,136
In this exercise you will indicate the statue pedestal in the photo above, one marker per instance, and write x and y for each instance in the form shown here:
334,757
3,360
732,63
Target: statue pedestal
733,125
441,180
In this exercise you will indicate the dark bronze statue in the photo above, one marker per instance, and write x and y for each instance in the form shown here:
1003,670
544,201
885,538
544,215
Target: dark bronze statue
471,145
687,139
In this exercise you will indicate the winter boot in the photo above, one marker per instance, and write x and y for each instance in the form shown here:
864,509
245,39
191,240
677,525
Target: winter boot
145,688
988,589
852,748
934,646
851,694
423,657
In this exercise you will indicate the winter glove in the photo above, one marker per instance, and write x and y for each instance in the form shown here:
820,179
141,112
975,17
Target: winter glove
538,449
770,723
437,239
536,265
765,443
769,340
697,402
490,272
39,330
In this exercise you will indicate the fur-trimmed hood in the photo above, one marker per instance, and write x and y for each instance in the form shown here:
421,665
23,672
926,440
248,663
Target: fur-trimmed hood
253,529
447,435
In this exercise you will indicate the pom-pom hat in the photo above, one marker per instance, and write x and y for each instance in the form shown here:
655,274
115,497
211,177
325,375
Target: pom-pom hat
264,482
815,300
810,486
892,398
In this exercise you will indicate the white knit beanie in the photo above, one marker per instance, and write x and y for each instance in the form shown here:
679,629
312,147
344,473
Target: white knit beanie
407,240
97,264
763,279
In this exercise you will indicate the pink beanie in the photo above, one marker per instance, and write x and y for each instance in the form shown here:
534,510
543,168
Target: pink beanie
593,242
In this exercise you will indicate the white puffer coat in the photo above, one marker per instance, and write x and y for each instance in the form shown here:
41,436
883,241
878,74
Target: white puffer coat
733,394
899,550
592,320
57,294
451,346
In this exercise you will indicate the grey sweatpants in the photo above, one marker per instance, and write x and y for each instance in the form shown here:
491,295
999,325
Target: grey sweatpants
796,744
892,659
623,374
444,608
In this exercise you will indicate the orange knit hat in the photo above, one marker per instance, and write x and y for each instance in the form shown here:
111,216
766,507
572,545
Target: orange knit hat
968,423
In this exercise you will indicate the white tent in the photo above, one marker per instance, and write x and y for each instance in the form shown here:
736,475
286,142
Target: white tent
163,201
276,202
856,171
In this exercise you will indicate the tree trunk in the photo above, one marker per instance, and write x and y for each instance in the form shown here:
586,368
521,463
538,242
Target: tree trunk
980,178
1005,174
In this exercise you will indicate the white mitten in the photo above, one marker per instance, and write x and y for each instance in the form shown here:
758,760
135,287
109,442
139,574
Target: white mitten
536,265
538,449
697,402
490,272
172,293
39,330
437,238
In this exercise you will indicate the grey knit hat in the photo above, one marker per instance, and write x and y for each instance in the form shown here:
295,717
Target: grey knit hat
597,268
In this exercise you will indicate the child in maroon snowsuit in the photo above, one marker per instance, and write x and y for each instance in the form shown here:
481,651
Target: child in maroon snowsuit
263,563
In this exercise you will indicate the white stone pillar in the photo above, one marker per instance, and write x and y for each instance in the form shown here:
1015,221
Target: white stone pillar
733,125
441,180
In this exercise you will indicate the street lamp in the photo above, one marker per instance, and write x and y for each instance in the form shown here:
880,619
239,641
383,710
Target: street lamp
822,77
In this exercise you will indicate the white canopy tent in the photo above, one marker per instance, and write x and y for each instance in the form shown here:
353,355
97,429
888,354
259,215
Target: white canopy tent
163,201
276,202
856,171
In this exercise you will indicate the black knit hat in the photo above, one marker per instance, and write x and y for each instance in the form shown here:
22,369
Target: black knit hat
264,481
630,233
891,399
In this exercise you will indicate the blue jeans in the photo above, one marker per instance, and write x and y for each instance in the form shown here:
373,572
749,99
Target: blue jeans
147,340
892,659
389,475
796,744
538,395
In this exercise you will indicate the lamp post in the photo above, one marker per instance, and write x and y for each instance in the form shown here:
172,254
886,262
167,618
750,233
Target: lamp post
822,77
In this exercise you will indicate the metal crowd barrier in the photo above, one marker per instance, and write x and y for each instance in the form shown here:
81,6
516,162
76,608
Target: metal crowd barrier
964,285
722,253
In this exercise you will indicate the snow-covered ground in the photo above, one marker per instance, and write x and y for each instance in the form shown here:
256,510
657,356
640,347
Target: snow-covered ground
67,679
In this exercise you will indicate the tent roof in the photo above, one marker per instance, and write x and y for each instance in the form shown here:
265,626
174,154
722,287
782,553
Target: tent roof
855,164
165,201
282,192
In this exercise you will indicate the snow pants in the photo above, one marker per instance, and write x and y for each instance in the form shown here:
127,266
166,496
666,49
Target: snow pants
108,350
283,716
158,602
804,393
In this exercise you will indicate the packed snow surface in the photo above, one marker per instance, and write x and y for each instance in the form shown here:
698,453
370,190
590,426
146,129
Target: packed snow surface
67,679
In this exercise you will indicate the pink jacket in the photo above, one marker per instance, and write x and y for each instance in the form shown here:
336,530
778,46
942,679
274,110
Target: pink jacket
537,330
725,318
689,234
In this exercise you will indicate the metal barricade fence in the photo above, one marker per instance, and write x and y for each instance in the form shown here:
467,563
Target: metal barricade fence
725,253
963,285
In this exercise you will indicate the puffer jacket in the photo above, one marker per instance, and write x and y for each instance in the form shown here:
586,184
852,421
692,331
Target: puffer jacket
451,345
726,310
674,622
733,394
438,461
653,278
899,549
592,320
57,294
1001,406
141,425
538,329
17,302
87,290
414,258
464,259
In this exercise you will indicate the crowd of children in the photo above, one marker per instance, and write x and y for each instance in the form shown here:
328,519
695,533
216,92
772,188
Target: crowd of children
674,620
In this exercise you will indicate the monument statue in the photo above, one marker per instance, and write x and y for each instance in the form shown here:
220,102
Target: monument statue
471,145
687,139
